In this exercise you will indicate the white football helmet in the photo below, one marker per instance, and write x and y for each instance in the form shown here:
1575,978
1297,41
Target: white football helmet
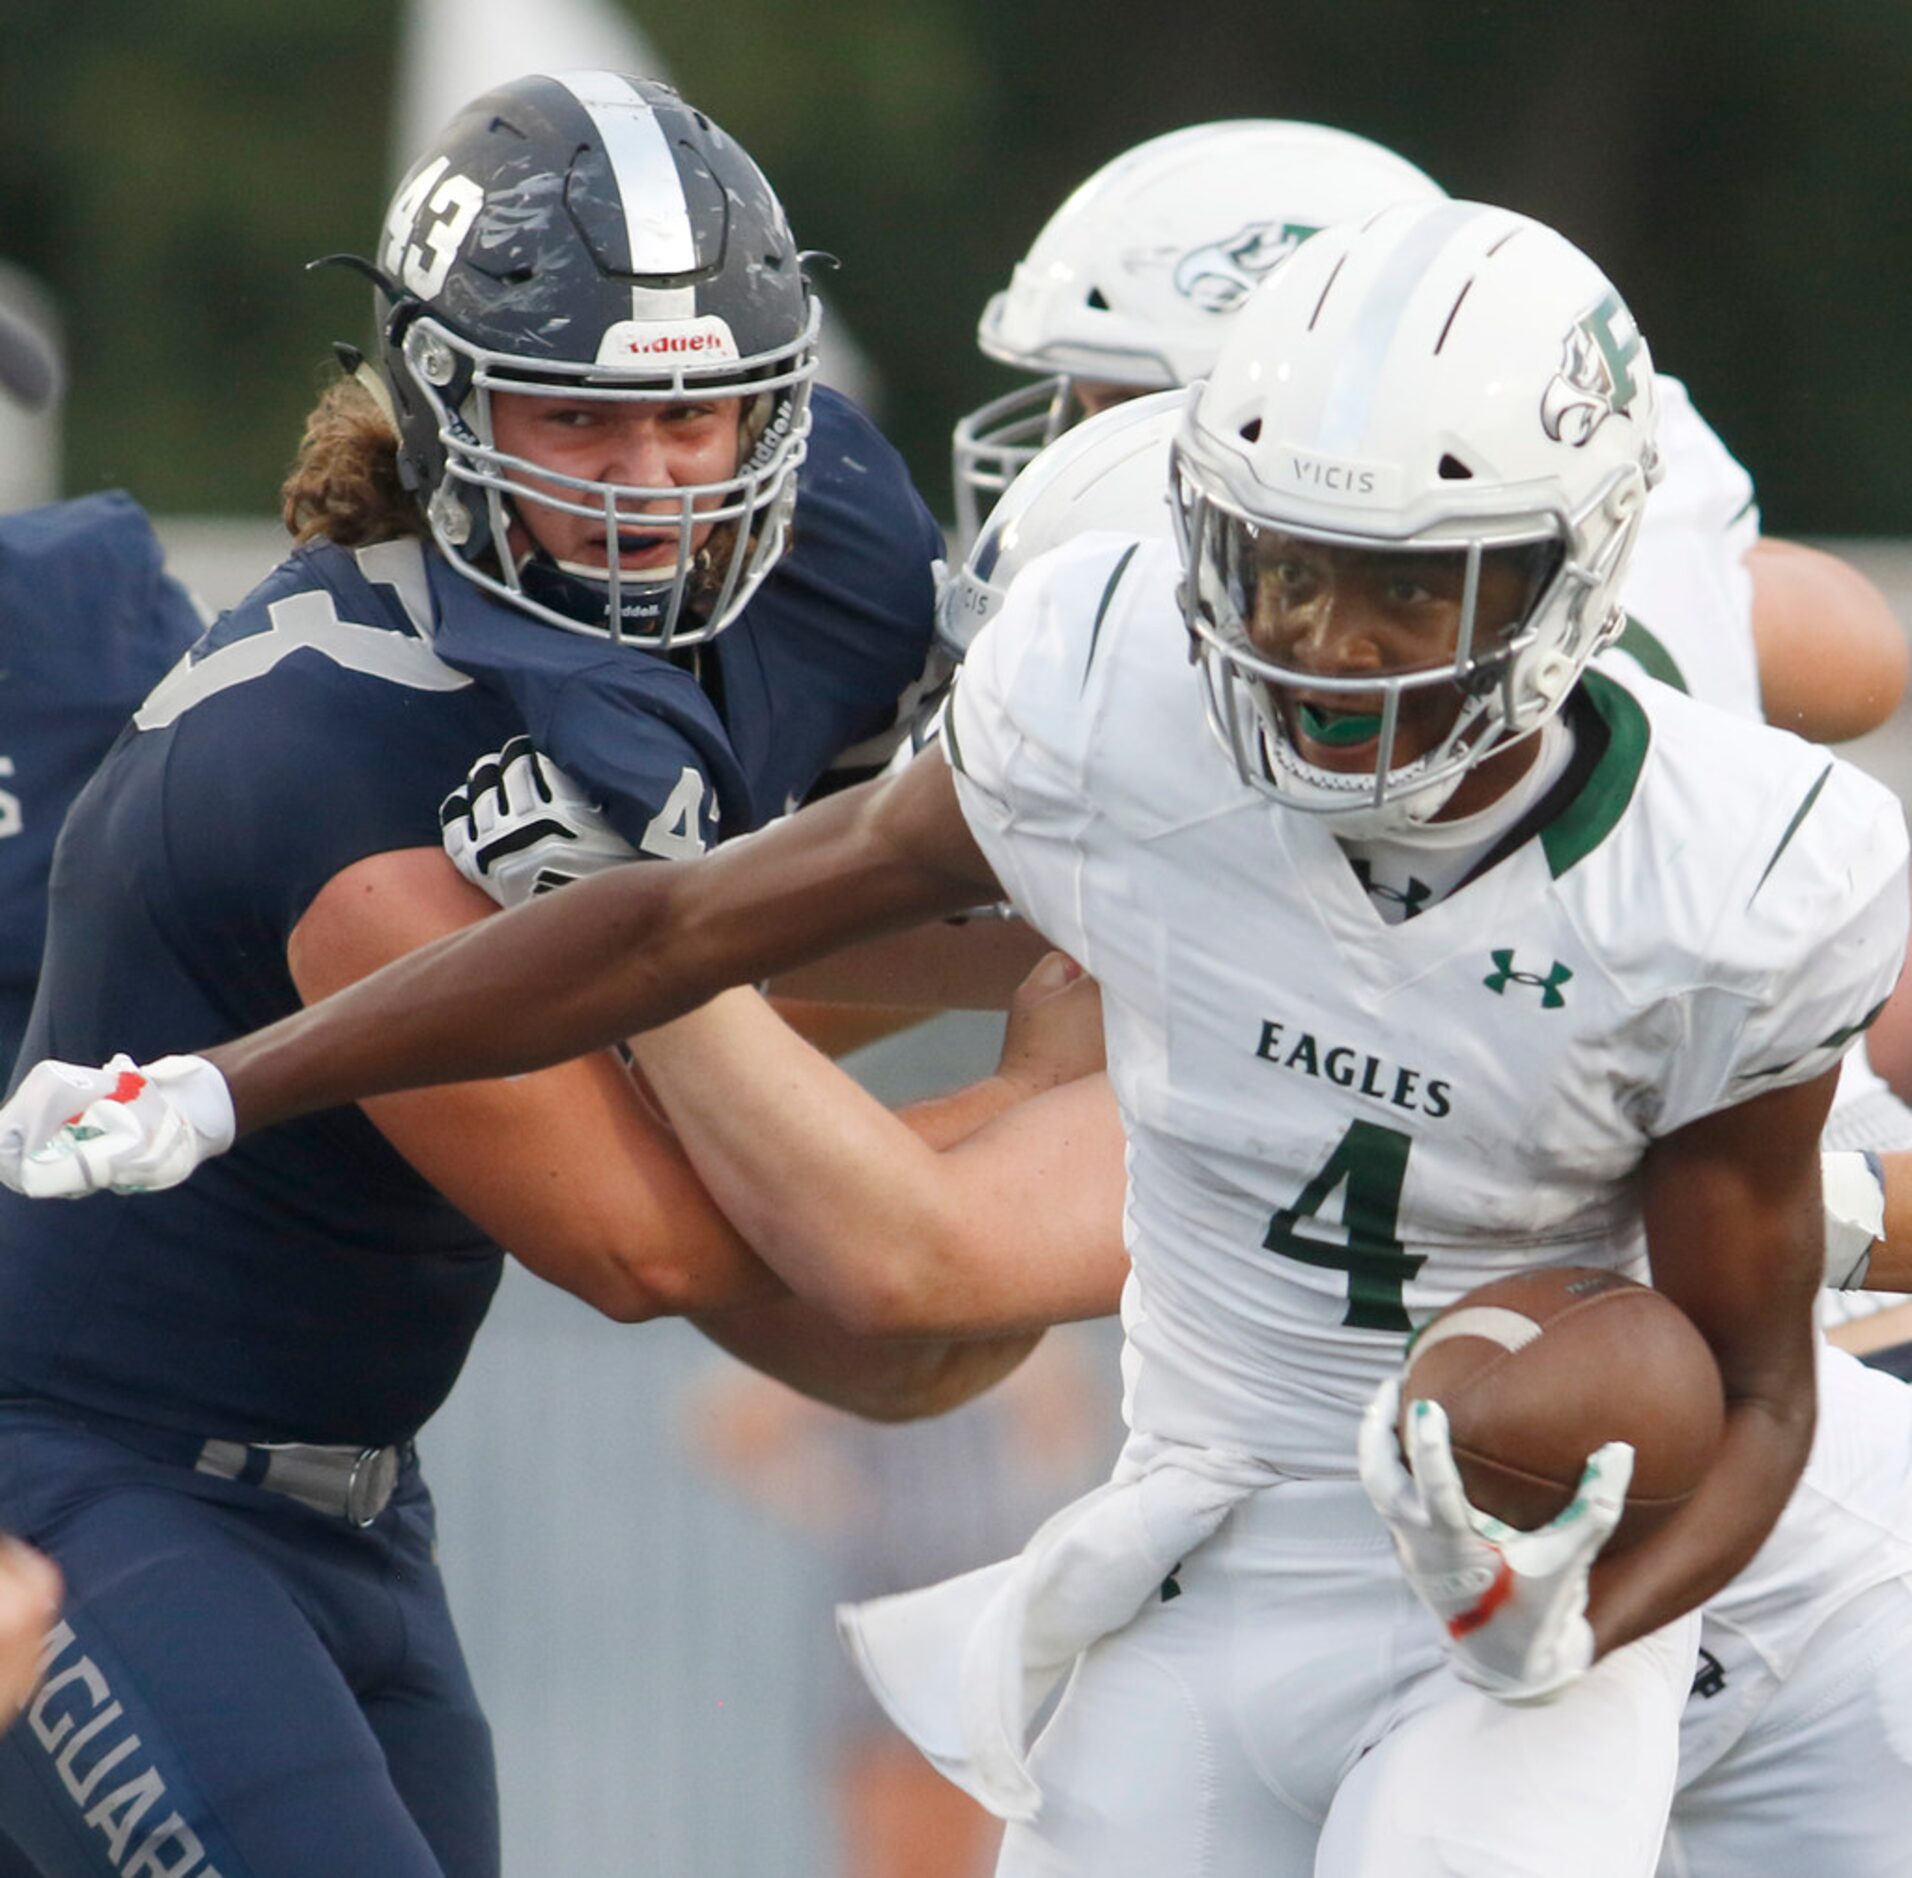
1134,279
1109,473
1447,381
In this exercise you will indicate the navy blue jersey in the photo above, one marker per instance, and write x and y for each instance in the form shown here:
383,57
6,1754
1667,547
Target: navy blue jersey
813,668
89,623
309,1286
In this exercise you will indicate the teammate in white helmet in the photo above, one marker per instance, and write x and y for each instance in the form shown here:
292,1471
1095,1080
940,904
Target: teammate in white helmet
1340,1117
1130,284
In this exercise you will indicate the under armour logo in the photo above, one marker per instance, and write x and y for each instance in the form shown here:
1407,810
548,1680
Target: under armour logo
1410,901
1710,1678
1504,975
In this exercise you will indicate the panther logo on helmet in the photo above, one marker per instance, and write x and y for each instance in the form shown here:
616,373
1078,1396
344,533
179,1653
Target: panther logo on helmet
1220,275
1595,378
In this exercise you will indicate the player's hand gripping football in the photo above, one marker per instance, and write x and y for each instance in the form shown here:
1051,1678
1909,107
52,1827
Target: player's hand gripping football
70,1131
1513,1603
520,826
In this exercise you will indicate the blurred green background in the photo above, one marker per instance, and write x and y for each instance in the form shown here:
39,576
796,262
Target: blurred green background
1742,170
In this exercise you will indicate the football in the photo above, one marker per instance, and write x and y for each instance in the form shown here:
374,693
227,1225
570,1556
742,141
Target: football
1537,1370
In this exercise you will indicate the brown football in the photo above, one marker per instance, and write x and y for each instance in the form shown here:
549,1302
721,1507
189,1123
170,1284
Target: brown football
1537,1370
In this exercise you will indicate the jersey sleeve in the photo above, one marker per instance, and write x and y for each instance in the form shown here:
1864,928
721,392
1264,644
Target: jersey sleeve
1688,591
642,738
636,732
864,543
1016,737
1808,944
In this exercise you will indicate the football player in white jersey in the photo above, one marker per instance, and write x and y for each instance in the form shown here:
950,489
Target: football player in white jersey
1407,495
831,1188
1773,1774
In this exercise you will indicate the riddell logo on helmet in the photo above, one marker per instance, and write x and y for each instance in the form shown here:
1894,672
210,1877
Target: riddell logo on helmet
668,342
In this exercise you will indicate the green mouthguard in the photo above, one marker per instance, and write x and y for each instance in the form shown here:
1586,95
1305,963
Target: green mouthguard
1339,730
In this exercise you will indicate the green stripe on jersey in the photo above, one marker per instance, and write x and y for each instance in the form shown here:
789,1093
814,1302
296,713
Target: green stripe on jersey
1102,606
1649,653
1837,1041
1846,1032
1792,828
1592,815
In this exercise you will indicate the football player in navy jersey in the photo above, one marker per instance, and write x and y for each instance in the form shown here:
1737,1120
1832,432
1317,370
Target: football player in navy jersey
558,503
29,1586
89,623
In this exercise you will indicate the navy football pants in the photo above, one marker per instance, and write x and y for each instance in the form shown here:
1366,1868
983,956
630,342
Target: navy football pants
240,1687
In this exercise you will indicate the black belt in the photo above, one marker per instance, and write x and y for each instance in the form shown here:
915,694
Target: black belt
352,1484
340,1480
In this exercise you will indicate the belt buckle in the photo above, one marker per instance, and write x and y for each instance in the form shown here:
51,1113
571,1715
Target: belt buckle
369,1487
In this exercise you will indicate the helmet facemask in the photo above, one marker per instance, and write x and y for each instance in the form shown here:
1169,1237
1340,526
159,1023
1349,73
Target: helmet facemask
997,441
743,519
1135,279
1531,597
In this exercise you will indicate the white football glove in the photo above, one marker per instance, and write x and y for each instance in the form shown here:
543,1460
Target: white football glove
1853,1184
1513,1604
70,1131
520,827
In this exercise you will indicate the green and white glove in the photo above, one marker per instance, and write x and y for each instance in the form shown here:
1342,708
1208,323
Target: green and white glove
127,1128
1513,1604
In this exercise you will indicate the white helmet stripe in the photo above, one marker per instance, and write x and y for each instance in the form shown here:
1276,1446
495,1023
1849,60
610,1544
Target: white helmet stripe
656,215
1364,356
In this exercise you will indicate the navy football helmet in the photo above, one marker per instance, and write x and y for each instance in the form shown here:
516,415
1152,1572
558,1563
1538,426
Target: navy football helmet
594,237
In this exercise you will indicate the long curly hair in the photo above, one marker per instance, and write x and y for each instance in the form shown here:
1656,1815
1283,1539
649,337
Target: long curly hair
344,483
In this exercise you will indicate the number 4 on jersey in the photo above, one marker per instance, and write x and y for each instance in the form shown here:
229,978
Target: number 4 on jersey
675,832
1371,1163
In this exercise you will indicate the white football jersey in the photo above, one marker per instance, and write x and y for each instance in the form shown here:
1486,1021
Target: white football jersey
1688,593
1337,1126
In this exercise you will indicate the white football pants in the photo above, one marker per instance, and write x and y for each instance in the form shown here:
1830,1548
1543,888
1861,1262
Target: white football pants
1287,1711
1820,1780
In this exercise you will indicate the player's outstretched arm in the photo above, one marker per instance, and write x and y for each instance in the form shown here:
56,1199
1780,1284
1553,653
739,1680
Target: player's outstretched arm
1736,1235
1832,654
570,1169
917,1223
579,970
551,981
